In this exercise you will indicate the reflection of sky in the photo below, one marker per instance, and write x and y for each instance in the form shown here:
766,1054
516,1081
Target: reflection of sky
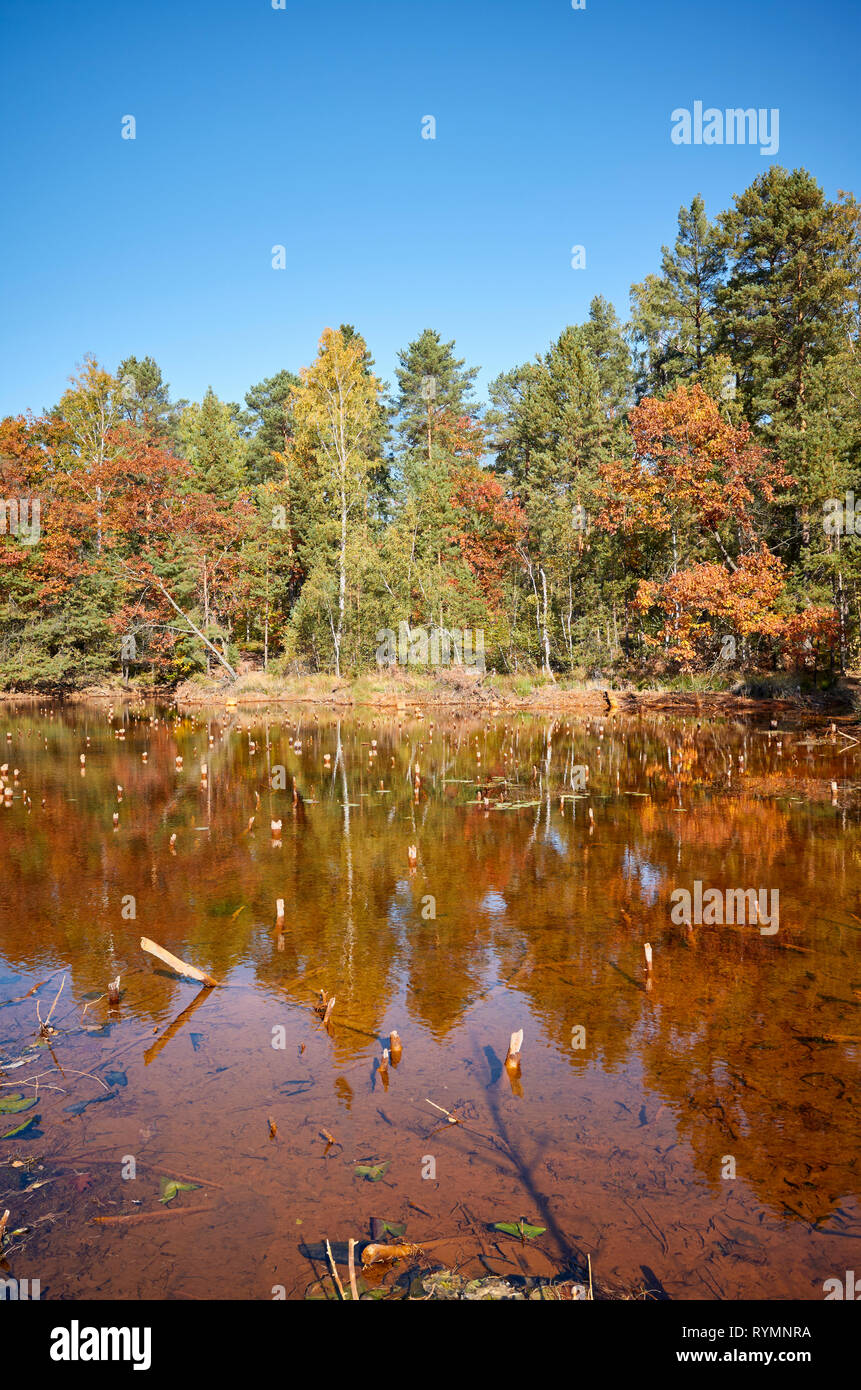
494,903
552,837
401,906
650,877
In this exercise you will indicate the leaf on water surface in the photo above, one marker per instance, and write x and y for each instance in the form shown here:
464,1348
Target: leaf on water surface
380,1228
372,1172
169,1187
16,1104
514,1228
11,1133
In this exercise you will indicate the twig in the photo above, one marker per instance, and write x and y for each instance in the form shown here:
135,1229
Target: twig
340,1286
43,1027
351,1261
137,1216
152,1167
452,1119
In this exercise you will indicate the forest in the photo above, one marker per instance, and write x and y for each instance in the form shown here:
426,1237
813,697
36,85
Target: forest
665,495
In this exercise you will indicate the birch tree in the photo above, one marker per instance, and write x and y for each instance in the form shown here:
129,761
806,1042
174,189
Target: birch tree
331,455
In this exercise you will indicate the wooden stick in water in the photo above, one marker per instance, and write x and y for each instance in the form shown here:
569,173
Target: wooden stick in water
180,966
512,1057
338,1283
134,1217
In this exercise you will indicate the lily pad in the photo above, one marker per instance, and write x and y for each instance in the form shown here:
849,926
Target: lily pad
381,1228
372,1172
170,1186
515,1228
16,1104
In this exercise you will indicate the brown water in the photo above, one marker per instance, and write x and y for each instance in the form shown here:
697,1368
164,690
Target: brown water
745,1046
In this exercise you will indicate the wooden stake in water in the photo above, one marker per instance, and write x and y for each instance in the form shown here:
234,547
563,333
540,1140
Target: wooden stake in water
351,1265
512,1056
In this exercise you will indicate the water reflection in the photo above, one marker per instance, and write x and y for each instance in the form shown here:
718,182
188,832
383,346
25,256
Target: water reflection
519,910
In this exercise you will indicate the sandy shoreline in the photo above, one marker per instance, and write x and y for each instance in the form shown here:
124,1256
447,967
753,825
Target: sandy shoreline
468,696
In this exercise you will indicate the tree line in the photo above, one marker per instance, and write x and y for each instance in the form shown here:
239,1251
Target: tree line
674,492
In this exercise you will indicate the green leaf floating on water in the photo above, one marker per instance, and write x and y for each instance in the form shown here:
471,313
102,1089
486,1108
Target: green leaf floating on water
10,1133
513,1228
372,1172
16,1105
170,1186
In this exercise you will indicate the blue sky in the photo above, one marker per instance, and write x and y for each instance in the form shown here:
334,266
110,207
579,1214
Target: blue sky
302,127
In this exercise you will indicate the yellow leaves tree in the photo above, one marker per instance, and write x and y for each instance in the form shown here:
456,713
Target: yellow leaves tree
332,452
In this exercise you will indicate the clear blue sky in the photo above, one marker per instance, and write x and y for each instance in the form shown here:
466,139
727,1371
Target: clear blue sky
302,126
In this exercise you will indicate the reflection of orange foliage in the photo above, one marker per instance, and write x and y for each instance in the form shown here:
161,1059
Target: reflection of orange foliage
724,1038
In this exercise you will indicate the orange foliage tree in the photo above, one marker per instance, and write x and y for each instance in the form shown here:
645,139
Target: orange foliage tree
696,480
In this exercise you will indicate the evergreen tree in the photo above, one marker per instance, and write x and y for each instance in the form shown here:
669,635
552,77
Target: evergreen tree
210,439
145,396
267,425
785,306
604,337
672,314
432,383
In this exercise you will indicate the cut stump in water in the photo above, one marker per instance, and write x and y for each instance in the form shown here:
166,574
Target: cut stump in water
180,966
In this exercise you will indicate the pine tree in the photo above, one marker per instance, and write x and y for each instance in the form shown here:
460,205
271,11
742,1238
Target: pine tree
604,337
433,383
267,425
785,304
210,439
672,314
145,396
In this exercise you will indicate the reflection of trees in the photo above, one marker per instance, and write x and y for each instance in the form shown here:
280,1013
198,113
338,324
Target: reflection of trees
730,1036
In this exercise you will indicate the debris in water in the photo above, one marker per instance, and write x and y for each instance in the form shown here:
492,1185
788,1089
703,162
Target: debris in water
176,964
377,1254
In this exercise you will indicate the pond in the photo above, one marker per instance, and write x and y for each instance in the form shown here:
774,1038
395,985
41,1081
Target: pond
692,1129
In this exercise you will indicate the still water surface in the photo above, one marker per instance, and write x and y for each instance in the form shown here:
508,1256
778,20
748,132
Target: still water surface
632,1102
